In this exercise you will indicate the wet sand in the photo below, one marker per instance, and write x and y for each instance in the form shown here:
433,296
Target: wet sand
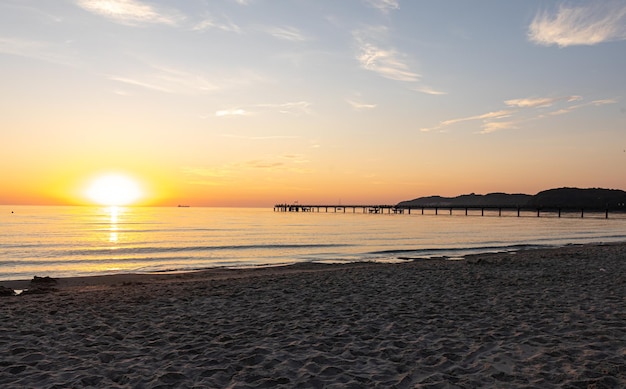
539,318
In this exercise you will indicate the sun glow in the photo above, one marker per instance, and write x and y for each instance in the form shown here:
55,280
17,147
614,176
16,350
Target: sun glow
114,190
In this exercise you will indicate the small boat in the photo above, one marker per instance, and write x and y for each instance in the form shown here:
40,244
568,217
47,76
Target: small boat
183,206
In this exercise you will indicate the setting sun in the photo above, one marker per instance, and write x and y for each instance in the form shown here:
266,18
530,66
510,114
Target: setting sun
114,189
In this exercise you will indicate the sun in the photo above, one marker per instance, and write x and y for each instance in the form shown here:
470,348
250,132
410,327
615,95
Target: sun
114,190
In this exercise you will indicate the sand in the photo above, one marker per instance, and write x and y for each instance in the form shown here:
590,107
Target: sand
540,318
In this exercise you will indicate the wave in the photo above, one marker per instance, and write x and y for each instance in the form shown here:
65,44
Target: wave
171,249
460,251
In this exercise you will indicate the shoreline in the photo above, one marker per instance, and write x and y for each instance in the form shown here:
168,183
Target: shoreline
537,318
247,271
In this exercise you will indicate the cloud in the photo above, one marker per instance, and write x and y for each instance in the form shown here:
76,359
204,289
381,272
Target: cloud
525,110
169,80
292,108
210,23
130,12
139,83
489,115
266,137
429,91
207,172
386,62
260,164
603,102
285,33
360,106
594,23
232,112
383,5
298,158
376,55
225,173
485,117
539,102
594,103
490,127
41,51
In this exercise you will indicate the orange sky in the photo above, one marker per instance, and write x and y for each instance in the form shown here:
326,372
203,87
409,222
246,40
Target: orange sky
255,103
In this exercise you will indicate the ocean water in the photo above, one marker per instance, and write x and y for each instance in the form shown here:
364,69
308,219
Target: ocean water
71,241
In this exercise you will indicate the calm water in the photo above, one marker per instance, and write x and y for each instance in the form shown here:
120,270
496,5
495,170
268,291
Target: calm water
68,241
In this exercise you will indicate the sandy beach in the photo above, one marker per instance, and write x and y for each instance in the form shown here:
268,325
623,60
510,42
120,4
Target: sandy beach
535,319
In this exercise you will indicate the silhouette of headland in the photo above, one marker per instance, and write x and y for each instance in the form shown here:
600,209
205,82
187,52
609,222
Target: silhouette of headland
561,198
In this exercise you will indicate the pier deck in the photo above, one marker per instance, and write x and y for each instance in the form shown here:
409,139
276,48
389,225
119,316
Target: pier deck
394,209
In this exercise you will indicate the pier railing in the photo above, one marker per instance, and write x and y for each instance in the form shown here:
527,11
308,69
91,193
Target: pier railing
439,209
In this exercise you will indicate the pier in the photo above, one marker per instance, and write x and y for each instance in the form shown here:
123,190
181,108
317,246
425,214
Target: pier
467,210
338,208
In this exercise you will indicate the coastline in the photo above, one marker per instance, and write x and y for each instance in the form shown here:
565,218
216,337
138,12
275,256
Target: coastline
535,318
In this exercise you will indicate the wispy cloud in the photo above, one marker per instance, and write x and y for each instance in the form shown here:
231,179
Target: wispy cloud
429,91
375,55
359,106
383,5
537,102
594,103
130,12
226,173
261,164
490,127
207,172
485,116
34,9
169,80
142,84
266,137
38,50
291,108
524,110
225,24
286,162
594,23
386,62
287,33
232,112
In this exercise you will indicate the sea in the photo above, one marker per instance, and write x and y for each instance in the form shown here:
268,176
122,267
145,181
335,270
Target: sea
63,241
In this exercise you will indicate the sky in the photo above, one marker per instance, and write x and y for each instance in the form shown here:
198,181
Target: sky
257,102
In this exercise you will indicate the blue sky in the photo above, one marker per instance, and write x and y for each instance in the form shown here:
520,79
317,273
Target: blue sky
365,100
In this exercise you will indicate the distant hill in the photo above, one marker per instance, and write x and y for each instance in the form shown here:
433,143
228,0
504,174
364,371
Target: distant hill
593,198
580,198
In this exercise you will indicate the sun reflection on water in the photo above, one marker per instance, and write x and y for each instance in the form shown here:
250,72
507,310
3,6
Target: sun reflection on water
113,229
